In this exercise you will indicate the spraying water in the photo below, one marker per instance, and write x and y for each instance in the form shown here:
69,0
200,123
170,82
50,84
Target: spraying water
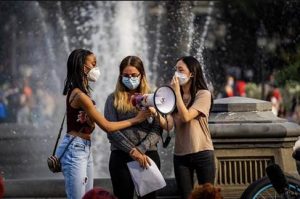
55,82
200,50
119,30
119,34
62,23
158,43
204,33
112,30
191,30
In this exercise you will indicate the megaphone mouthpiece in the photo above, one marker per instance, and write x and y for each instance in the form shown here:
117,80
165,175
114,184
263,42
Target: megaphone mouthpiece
136,99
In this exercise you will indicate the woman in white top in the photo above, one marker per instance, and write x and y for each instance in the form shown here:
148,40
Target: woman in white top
194,149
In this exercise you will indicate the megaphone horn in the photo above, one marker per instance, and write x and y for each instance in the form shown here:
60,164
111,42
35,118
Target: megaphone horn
163,99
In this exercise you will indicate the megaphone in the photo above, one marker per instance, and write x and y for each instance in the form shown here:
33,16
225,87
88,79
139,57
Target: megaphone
163,100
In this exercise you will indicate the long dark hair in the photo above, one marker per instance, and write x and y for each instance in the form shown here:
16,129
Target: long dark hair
75,74
197,81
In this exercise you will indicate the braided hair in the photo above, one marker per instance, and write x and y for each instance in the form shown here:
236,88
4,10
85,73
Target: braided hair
75,71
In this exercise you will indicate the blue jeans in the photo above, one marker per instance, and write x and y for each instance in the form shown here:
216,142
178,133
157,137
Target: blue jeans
77,166
202,162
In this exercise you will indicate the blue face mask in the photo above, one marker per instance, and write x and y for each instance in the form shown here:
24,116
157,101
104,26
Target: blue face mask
131,82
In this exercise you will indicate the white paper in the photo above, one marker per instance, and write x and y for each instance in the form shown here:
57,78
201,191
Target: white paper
146,180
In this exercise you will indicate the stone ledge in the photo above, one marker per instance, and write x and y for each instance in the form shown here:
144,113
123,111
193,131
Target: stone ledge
245,117
254,130
248,143
240,104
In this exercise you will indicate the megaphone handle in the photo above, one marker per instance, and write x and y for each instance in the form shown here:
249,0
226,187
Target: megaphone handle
150,120
168,138
168,130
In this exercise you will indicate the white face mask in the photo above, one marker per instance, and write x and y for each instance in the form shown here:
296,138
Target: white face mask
93,74
183,79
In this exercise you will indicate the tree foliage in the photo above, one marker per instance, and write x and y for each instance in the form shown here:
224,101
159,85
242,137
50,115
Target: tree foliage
281,23
291,72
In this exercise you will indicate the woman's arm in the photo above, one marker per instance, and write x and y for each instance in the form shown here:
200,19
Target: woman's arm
117,139
185,114
87,105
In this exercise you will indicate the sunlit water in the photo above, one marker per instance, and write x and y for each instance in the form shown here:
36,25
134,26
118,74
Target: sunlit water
114,30
120,33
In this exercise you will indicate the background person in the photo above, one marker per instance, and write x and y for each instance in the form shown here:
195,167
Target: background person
98,193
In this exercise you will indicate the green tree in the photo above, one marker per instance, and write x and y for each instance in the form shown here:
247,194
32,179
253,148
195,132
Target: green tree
291,71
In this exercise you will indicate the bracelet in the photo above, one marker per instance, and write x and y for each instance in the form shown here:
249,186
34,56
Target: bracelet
131,151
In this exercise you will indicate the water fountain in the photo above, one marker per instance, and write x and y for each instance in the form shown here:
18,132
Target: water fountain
112,30
44,33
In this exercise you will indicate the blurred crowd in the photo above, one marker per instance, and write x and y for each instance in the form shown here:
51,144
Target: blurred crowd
272,93
25,101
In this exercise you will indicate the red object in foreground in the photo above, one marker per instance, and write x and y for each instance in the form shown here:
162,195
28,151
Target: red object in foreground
1,187
98,193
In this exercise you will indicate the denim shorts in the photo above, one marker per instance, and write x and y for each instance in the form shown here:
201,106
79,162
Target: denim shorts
77,166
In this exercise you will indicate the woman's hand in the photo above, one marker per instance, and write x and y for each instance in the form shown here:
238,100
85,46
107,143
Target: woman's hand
135,154
143,114
142,159
166,123
147,160
153,111
175,85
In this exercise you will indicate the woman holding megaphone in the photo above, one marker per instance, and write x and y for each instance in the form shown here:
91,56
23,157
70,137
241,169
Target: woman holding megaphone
74,151
139,141
194,149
